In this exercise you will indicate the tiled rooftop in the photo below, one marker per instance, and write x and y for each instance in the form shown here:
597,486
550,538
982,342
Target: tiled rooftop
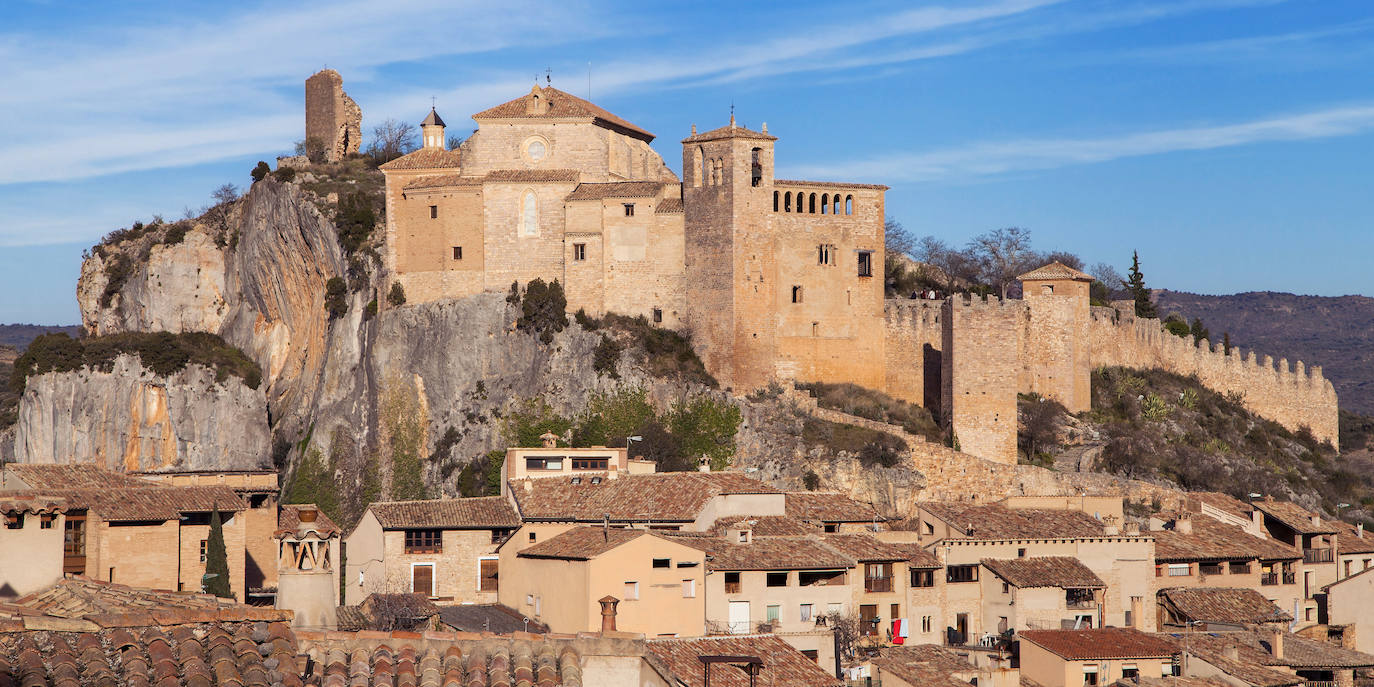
146,503
1099,643
583,543
484,512
662,497
766,526
823,506
30,504
1000,522
826,184
1351,539
488,618
866,548
1222,502
442,181
106,605
424,158
71,476
782,665
1253,648
1045,571
924,664
1223,605
616,189
730,130
432,659
525,175
669,205
1055,270
1213,540
1296,517
289,519
558,104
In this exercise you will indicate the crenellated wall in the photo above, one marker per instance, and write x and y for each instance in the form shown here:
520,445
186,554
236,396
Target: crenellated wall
912,352
1291,395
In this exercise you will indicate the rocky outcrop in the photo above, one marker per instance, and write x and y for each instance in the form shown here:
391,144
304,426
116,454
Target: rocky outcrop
179,288
131,419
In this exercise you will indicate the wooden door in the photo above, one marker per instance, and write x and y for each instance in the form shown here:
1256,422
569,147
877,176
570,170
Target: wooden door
422,579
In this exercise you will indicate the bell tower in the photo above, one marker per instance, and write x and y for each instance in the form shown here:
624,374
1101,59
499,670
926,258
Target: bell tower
432,130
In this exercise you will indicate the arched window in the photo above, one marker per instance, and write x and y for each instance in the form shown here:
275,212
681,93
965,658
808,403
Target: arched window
720,170
698,167
812,207
849,205
787,202
775,201
756,165
835,204
529,215
825,203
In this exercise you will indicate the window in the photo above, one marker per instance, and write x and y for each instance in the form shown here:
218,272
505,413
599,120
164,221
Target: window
204,546
877,577
756,167
544,463
812,654
1210,568
1089,675
1129,672
422,578
689,589
658,315
961,573
796,294
457,252
535,150
896,610
14,521
631,591
1240,568
74,544
1180,569
865,263
488,574
532,537
590,463
776,579
434,212
732,585
744,536
681,564
831,527
923,578
46,520
1308,613
1020,553
926,622
821,578
424,541
774,613
529,216
806,613
1006,588
662,563
629,209
499,535
825,254
579,252
868,620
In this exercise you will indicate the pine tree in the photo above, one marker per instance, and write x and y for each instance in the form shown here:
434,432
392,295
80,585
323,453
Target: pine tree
216,559
1226,342
1135,283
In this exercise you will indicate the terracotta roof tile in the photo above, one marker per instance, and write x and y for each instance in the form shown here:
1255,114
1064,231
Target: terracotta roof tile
669,206
31,504
1045,571
1055,270
1253,648
72,476
582,543
1296,517
424,158
80,597
1222,605
154,503
531,175
1000,522
766,526
488,618
925,664
768,553
1351,539
480,513
1222,502
1215,540
730,130
616,189
1100,643
823,506
558,104
435,658
782,664
289,520
662,497
442,181
865,548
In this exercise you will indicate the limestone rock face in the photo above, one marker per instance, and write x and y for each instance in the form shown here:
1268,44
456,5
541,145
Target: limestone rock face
134,420
179,289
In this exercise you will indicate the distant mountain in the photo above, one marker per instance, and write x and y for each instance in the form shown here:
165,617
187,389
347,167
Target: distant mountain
1334,332
19,335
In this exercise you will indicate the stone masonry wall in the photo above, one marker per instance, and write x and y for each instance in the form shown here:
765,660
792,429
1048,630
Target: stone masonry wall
981,362
1294,396
332,120
912,350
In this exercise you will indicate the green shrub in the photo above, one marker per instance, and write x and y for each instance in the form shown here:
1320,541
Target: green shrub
871,446
397,295
611,416
605,357
336,297
313,482
176,233
811,480
668,354
162,352
585,321
354,220
117,271
874,405
705,426
260,172
543,309
530,420
370,310
285,174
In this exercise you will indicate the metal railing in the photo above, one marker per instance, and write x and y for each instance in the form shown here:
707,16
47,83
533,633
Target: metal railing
1290,578
1319,683
1317,556
1269,579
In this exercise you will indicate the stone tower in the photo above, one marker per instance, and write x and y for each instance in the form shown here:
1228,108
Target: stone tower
1057,347
307,573
432,131
981,364
333,122
727,187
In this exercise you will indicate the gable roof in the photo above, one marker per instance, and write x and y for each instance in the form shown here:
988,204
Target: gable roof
670,205
767,553
488,618
658,497
150,504
1045,571
1055,270
1100,643
424,158
731,130
72,476
924,664
531,175
765,526
1253,648
615,189
478,513
106,604
989,522
582,543
556,104
866,548
442,181
1352,539
1213,540
829,506
1222,605
1295,517
782,664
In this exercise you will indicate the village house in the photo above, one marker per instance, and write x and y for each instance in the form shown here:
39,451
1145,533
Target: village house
1314,663
834,512
444,549
124,529
1100,656
1354,550
1208,609
1349,602
1206,552
706,661
550,460
1040,592
929,665
32,541
1295,526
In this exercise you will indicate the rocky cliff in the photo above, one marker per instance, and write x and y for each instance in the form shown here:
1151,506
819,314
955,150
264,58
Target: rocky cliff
132,419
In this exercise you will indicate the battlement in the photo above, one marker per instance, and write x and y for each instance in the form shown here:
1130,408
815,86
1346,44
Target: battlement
904,312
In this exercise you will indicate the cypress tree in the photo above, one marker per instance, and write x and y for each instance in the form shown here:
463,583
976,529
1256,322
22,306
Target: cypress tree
217,559
1135,283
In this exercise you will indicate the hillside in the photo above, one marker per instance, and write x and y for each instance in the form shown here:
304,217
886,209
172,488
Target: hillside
19,335
1334,332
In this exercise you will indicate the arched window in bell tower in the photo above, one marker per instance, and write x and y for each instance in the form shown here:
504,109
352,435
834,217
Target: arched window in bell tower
698,167
756,166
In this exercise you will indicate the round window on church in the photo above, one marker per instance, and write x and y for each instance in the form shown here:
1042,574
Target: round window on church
535,149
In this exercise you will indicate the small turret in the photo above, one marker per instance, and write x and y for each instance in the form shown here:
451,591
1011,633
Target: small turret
432,130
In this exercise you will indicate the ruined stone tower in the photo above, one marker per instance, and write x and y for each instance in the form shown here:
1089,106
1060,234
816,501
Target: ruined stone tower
333,122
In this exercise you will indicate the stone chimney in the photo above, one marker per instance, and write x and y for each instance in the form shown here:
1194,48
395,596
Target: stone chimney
1132,529
1232,652
1359,530
549,439
1110,526
1183,524
307,516
1276,643
608,604
703,464
1316,520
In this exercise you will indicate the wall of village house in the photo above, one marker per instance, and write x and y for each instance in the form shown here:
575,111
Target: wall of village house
726,505
40,563
1030,608
1292,395
555,592
456,566
980,359
1348,604
755,590
260,550
193,569
1053,671
927,603
1285,596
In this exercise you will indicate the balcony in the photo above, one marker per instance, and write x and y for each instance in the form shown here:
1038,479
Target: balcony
1318,683
1318,556
1290,578
878,584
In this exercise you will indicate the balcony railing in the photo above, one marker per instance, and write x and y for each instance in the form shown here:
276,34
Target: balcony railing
1317,556
1269,578
1081,603
1290,578
1319,683
878,584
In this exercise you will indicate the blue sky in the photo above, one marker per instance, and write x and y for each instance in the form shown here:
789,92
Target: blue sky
1229,141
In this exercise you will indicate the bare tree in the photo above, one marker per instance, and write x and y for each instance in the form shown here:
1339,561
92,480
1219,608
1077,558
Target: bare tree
1109,282
1001,255
217,215
1040,419
896,239
390,140
955,266
847,633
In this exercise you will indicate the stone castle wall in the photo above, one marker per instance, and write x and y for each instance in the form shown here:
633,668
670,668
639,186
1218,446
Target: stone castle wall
1292,395
333,122
981,365
912,354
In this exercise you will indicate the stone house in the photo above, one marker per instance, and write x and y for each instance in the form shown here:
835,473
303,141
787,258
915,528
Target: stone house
1354,550
1100,656
1295,526
1315,663
31,538
1040,592
778,663
566,581
1206,552
594,464
929,665
444,549
1349,601
834,512
1209,609
128,530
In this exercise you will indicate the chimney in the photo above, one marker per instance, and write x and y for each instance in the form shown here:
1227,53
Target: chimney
1359,530
704,464
1132,529
1183,524
1232,652
307,516
549,439
608,604
1276,643
1110,527
1316,520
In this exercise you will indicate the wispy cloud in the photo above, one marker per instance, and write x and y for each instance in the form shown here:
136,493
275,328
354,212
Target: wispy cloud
994,158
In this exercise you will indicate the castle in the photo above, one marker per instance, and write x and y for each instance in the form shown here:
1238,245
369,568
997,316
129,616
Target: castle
774,279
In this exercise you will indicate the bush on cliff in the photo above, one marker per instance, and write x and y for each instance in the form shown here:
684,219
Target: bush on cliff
336,297
163,353
355,219
260,172
543,309
667,353
397,296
